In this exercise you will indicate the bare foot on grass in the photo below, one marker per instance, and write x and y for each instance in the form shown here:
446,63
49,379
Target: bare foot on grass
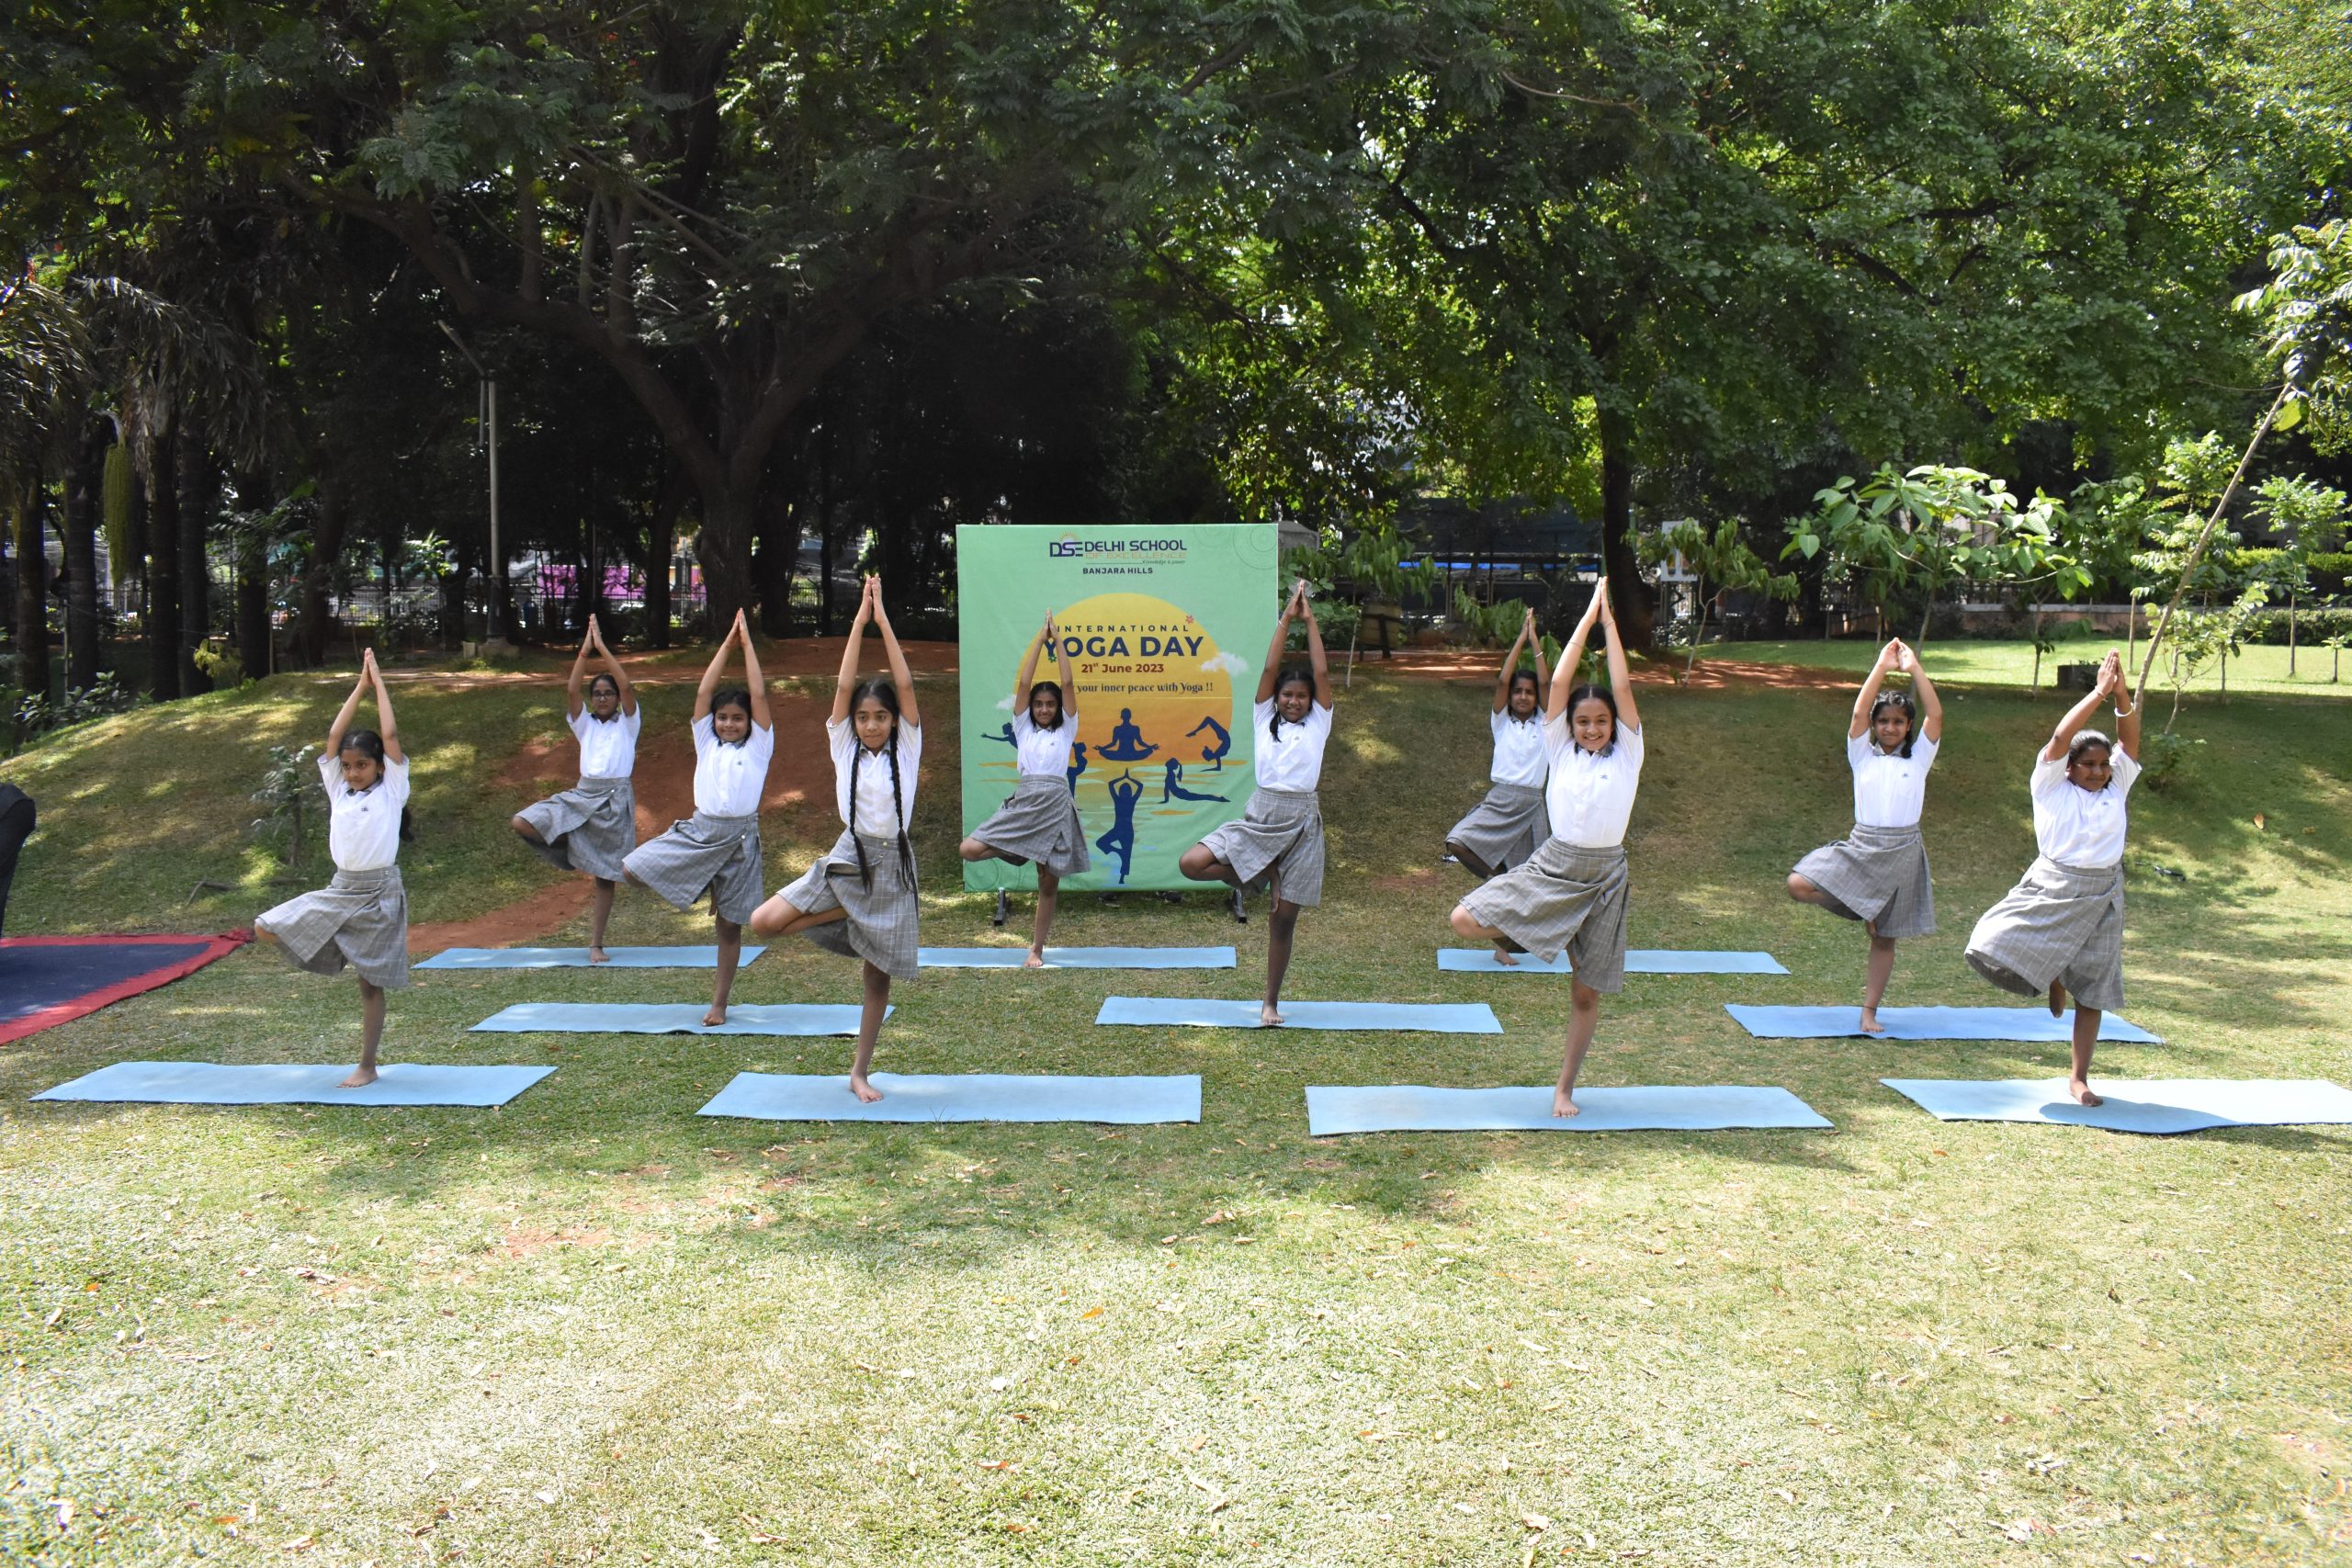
864,1090
360,1078
2082,1092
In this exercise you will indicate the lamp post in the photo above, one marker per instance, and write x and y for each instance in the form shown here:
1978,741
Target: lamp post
486,419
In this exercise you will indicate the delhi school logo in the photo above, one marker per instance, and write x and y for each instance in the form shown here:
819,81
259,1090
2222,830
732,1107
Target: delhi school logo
1155,550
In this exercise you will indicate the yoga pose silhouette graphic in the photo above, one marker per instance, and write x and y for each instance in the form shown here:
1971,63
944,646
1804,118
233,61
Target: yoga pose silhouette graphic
1128,744
1212,755
1173,785
1076,764
1121,840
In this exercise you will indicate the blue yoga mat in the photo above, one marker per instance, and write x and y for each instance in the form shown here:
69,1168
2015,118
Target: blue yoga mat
1432,1018
1638,960
577,958
2029,1025
263,1083
2136,1105
959,1097
1412,1107
671,1018
1080,957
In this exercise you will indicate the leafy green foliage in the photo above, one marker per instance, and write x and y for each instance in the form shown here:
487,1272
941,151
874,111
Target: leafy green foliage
288,791
1721,560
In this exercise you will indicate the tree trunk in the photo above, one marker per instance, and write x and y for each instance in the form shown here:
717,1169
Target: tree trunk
2290,637
85,496
164,568
32,586
1635,617
2037,649
318,576
659,546
198,481
723,548
453,604
779,543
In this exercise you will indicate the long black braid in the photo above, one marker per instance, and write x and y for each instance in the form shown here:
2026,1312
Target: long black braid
885,692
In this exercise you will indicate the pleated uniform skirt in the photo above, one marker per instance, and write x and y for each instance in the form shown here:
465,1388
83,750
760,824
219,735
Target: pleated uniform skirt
2060,922
718,855
1038,822
883,919
359,918
1279,839
1566,897
1877,874
591,827
1502,830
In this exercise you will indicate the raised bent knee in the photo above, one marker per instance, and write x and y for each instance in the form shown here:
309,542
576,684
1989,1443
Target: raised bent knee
523,826
1802,891
972,848
1465,923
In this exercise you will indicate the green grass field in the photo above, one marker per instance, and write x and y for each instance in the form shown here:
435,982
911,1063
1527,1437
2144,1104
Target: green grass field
591,1328
2260,669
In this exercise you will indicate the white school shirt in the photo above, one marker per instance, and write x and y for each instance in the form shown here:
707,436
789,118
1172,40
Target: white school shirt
1044,753
1293,761
1590,796
607,746
1890,789
364,825
876,816
1519,749
729,779
2074,825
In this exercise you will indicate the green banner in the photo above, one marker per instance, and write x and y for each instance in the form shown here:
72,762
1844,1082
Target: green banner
1164,628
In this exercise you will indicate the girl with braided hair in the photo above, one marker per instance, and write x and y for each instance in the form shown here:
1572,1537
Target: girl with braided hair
859,898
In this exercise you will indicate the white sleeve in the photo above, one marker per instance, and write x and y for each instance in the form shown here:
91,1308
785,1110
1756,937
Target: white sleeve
706,734
1629,743
1259,712
1556,736
839,737
1494,722
1924,750
634,722
2126,768
761,743
910,746
579,723
329,773
1857,750
2049,774
396,780
1023,727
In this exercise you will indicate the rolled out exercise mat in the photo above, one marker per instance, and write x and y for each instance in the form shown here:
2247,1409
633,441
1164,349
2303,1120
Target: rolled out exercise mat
49,980
2135,1105
273,1083
705,957
1431,1018
1638,960
671,1017
959,1097
2029,1025
1412,1107
1080,957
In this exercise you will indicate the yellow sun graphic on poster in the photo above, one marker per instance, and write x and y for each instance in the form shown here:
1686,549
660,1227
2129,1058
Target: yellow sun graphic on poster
1153,687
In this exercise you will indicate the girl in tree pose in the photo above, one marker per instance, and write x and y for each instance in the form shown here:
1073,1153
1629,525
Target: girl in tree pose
591,827
1572,894
1878,873
717,851
1504,828
2061,928
859,897
1039,822
360,917
1280,836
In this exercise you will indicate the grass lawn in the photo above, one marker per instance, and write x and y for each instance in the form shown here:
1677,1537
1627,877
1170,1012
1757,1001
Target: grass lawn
1995,663
592,1327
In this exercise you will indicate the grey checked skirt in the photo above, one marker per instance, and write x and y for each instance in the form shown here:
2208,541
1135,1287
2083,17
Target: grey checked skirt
1279,838
1877,874
2060,922
883,920
360,918
591,827
718,855
1567,897
1038,822
1502,830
